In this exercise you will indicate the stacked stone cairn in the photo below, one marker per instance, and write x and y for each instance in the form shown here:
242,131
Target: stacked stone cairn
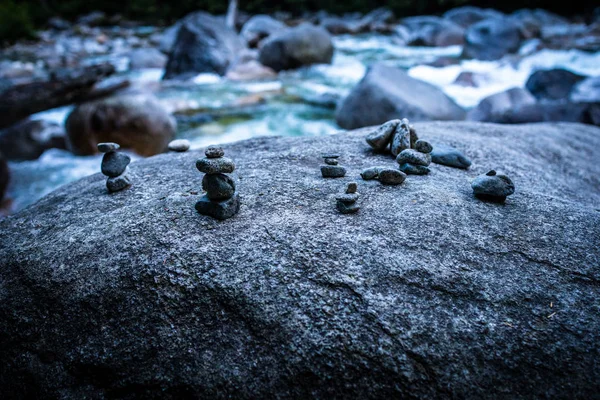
221,201
346,203
332,169
493,187
114,166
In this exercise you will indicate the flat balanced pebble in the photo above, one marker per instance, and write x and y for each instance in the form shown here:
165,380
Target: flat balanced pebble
222,165
214,152
330,155
108,146
179,145
218,186
333,171
118,183
412,169
423,146
381,137
493,186
390,176
331,161
413,157
114,164
352,187
449,156
347,198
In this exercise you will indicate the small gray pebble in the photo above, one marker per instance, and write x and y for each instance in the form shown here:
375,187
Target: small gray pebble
492,186
108,146
401,139
179,145
221,165
113,163
390,176
214,152
352,187
449,156
118,183
331,161
347,208
411,169
413,157
218,186
347,198
330,155
423,146
371,173
382,136
333,171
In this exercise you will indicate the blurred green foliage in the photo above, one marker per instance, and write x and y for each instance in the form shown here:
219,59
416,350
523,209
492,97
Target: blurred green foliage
18,18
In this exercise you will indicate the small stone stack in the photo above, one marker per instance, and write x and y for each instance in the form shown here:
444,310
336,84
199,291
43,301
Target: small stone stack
393,136
493,187
221,200
346,203
415,161
114,166
332,169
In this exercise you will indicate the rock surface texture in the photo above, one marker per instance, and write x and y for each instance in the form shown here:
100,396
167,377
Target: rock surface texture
426,292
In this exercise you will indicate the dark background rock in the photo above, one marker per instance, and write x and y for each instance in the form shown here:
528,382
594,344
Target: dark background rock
27,140
553,84
302,45
493,108
203,44
427,292
260,27
433,31
469,15
491,39
4,176
387,93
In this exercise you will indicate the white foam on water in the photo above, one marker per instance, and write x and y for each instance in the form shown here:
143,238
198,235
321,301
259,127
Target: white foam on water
206,79
57,115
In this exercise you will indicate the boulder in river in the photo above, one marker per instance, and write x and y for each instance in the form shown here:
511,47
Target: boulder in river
295,47
494,107
469,15
135,121
553,84
203,45
433,31
260,27
427,291
27,140
491,39
386,93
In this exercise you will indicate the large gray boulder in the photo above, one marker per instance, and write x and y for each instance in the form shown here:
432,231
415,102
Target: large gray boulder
203,44
433,31
425,291
492,39
387,93
260,27
553,84
295,47
495,107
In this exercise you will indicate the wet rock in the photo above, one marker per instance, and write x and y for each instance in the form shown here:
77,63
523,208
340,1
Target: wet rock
260,27
333,171
218,186
146,58
493,186
390,176
450,157
494,108
220,210
381,137
491,39
114,163
118,183
413,157
553,84
203,45
433,31
412,169
386,93
135,121
214,152
179,145
222,165
423,146
29,139
468,15
293,48
401,139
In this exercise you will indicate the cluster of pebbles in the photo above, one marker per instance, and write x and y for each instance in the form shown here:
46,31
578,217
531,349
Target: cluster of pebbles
221,200
114,166
331,169
415,161
346,203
